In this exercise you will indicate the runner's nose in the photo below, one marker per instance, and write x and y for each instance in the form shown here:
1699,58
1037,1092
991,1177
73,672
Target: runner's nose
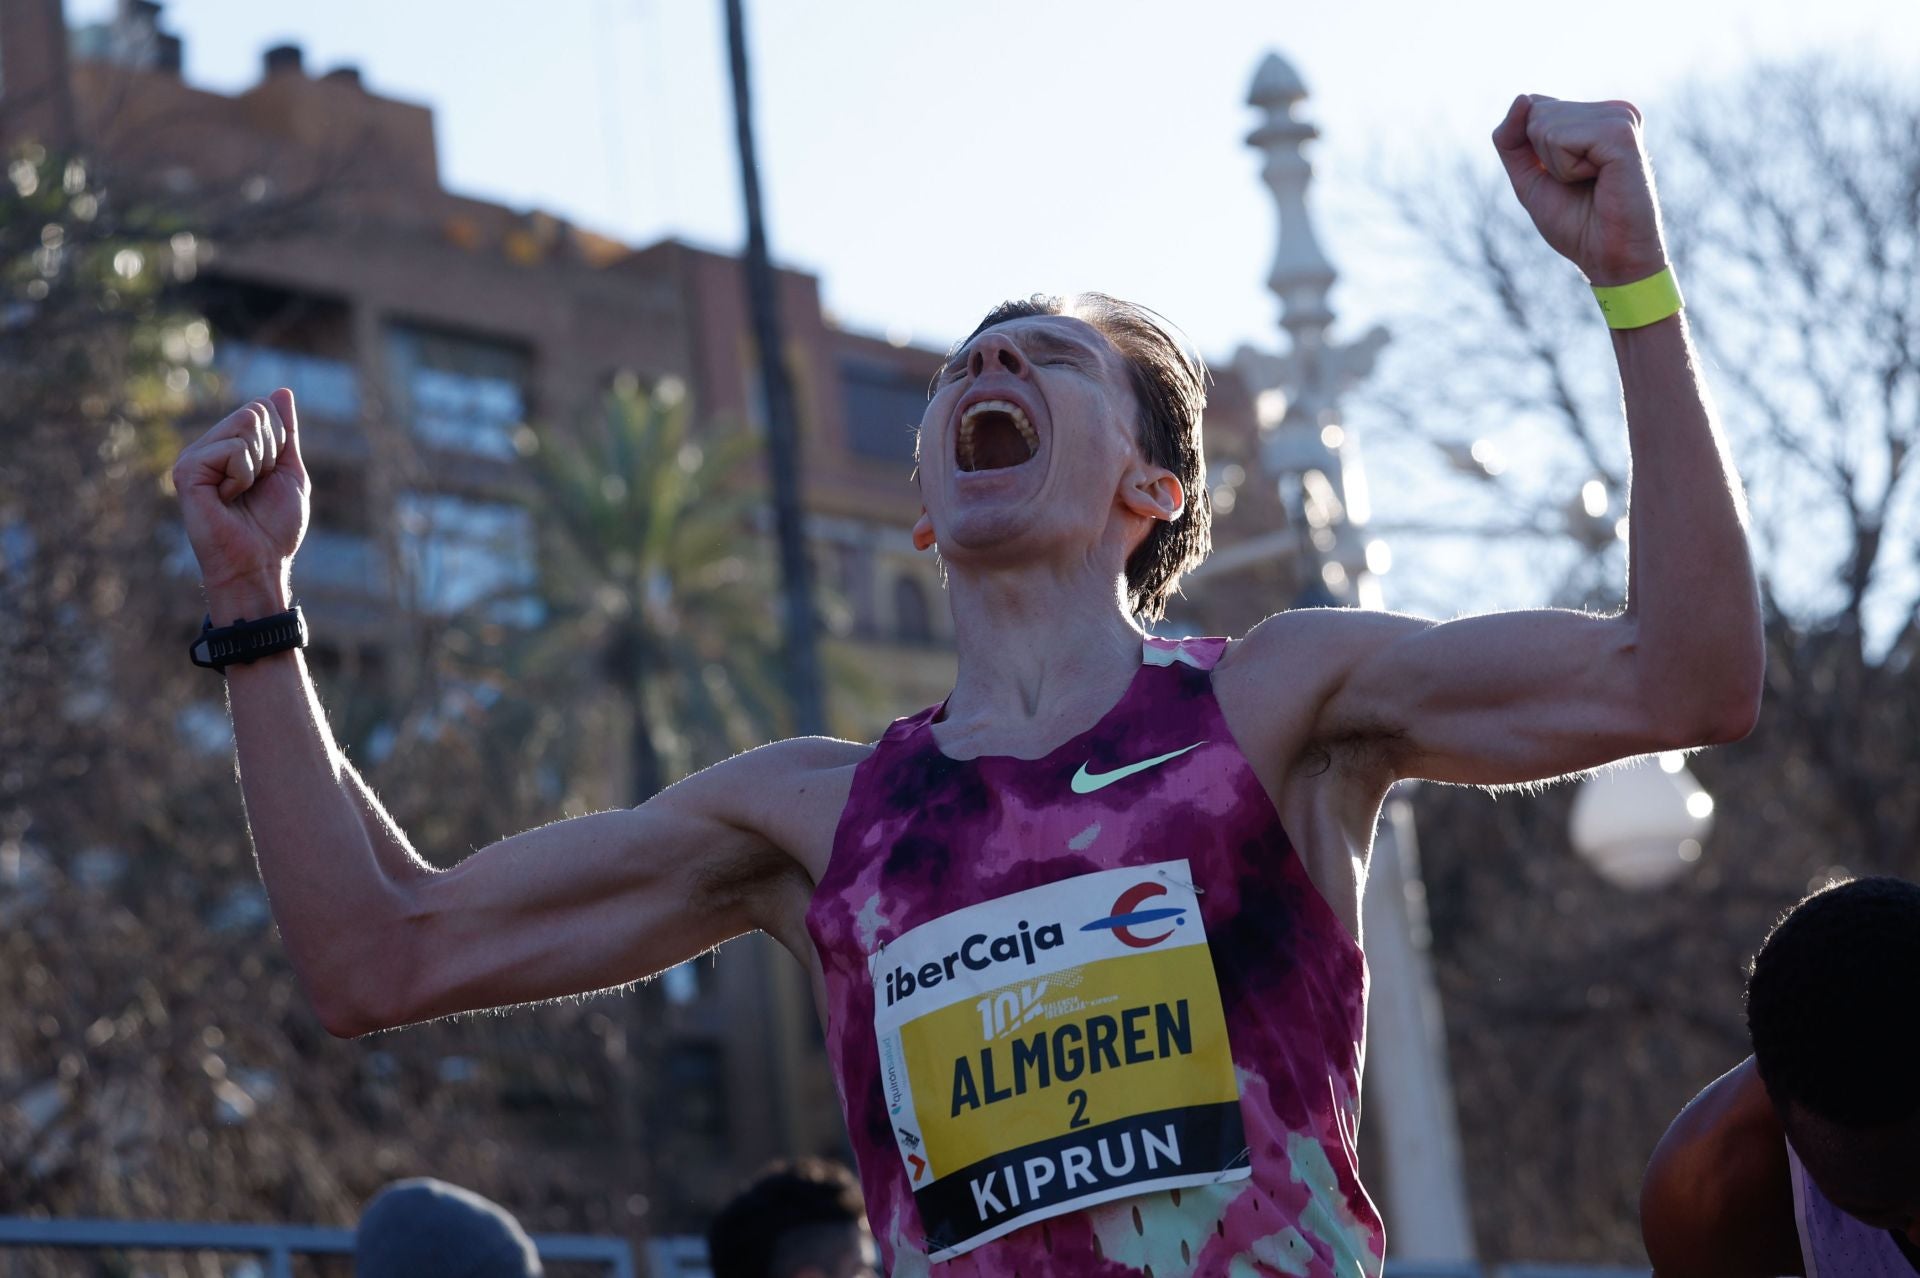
996,351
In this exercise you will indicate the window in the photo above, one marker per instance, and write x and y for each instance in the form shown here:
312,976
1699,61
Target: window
463,552
16,547
462,394
912,622
696,1080
681,983
854,578
336,559
884,407
321,387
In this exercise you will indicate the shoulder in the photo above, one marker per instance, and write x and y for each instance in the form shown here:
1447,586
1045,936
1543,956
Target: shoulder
797,758
766,820
1319,641
792,792
761,786
1717,1201
1291,667
782,793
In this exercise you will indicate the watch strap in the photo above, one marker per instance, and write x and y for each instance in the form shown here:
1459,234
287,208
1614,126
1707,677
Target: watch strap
245,642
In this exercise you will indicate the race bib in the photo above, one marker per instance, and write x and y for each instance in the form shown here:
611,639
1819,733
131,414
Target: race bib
1056,1048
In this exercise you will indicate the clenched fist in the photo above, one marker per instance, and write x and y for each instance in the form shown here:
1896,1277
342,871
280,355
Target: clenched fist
244,495
1582,175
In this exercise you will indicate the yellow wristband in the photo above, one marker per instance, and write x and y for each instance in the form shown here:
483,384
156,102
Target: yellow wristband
1642,302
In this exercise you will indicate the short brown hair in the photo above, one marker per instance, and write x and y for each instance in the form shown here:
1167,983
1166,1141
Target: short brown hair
795,1214
1170,381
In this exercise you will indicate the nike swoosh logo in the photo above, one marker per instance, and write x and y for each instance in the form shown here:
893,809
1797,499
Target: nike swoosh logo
1085,782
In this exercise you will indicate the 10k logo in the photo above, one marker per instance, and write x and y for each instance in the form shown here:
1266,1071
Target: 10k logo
1008,1010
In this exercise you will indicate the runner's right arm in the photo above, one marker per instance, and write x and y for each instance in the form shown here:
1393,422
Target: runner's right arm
378,936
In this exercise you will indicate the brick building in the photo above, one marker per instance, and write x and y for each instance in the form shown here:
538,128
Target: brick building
421,329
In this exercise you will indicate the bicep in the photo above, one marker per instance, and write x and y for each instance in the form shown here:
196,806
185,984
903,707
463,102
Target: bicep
1499,699
588,903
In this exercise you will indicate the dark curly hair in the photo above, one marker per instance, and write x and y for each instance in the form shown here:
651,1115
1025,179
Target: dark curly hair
1170,381
793,1215
1830,1004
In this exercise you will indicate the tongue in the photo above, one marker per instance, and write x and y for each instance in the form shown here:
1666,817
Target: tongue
998,443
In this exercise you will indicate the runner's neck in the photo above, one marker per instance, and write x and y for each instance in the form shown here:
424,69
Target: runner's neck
1042,653
1027,702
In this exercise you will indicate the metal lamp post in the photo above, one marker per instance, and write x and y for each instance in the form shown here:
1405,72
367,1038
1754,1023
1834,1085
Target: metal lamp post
783,432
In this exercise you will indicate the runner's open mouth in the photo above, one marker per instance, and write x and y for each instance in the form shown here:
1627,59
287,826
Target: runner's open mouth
995,434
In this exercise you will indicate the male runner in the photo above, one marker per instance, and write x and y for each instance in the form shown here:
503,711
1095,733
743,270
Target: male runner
1085,936
1805,1157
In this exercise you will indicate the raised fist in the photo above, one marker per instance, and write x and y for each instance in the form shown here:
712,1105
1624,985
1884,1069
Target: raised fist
244,495
1582,175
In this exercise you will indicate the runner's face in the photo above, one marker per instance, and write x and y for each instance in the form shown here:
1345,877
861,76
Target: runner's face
1028,438
1872,1175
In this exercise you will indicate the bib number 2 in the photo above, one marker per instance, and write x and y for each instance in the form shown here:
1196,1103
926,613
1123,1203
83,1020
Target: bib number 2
1056,1048
1078,1099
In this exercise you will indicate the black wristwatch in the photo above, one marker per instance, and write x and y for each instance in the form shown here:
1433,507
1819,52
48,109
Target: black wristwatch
247,641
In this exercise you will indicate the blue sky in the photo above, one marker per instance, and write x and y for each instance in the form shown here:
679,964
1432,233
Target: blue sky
928,160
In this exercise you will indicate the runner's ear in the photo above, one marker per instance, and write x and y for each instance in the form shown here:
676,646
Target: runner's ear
923,538
1153,492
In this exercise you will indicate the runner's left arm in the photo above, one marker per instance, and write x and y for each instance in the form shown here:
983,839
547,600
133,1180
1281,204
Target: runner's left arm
1523,696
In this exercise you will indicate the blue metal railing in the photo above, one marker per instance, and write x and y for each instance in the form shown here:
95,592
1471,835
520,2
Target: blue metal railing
1467,1269
279,1244
276,1244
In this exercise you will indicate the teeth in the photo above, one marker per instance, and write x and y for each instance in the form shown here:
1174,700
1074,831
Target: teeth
1018,416
1008,407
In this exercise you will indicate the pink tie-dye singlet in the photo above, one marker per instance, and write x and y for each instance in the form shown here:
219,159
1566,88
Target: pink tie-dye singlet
1136,1024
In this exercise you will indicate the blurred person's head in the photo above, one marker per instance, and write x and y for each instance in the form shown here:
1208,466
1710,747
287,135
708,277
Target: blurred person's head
1086,444
429,1229
799,1219
1830,1009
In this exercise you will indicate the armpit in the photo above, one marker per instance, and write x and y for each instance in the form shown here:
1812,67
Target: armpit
731,882
1358,748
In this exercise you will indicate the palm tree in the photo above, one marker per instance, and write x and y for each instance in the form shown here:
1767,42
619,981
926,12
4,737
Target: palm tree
654,589
654,582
